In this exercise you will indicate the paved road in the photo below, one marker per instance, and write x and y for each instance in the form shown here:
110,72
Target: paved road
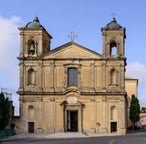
138,138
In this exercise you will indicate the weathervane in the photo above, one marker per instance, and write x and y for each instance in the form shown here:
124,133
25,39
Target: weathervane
72,36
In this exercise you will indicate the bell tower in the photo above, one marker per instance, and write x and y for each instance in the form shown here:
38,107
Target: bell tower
34,39
113,40
114,62
34,43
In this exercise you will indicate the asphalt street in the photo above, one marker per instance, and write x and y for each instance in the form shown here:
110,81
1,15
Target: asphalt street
136,138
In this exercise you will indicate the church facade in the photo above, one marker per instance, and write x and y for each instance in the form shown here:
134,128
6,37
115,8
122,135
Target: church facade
72,88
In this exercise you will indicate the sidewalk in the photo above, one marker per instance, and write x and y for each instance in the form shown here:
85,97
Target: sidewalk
65,135
57,135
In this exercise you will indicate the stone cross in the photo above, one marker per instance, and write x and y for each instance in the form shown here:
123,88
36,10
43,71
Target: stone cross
72,36
113,14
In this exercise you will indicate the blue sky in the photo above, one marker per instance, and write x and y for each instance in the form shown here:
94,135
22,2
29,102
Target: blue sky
85,18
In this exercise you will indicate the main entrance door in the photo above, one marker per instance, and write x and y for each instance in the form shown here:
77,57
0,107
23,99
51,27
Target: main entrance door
72,121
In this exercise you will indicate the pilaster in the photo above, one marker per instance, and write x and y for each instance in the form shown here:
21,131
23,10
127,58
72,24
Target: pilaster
92,115
104,114
52,115
104,76
92,66
21,72
52,76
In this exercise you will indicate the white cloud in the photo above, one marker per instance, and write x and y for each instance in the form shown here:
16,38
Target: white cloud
9,50
137,70
9,40
9,46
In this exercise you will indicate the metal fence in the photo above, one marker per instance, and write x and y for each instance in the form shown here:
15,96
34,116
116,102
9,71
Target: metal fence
6,133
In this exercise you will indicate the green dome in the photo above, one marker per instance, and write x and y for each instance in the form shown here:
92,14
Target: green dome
35,24
113,25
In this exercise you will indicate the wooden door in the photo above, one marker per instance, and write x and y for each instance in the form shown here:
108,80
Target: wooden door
72,121
31,127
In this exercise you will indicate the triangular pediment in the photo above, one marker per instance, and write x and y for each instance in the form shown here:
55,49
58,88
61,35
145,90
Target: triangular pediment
72,50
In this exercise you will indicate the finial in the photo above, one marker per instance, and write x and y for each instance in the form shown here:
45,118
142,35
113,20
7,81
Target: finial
72,36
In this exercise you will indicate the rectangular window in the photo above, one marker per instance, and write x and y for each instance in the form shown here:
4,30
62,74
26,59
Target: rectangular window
72,77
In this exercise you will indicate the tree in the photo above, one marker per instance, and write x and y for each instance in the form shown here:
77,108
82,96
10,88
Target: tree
134,110
4,111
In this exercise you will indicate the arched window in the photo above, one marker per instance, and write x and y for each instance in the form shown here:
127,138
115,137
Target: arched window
113,48
72,77
31,47
31,77
31,113
113,113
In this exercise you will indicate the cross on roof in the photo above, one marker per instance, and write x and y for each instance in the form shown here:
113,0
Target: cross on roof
36,14
113,14
72,36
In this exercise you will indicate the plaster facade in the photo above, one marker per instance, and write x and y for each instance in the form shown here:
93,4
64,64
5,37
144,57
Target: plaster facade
72,88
